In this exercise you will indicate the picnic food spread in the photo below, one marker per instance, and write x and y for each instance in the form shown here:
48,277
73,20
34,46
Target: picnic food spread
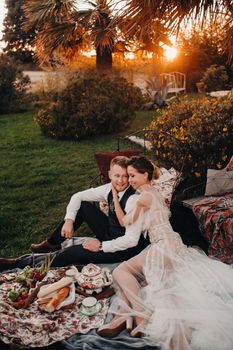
37,312
35,283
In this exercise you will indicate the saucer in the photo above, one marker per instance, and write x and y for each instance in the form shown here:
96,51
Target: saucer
85,311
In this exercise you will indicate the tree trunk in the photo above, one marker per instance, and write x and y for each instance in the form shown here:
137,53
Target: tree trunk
103,59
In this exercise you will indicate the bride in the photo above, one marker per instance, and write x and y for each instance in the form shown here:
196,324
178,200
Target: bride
179,298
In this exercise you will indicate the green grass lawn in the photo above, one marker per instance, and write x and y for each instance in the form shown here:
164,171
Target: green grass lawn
39,175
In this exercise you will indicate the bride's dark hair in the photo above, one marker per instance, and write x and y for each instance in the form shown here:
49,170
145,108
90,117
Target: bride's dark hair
142,164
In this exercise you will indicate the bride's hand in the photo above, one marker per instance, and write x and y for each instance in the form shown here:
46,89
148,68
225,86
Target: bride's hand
114,193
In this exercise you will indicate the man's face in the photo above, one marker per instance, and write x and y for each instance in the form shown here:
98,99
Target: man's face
118,177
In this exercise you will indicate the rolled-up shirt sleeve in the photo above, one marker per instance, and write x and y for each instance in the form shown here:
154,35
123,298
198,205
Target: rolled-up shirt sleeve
131,236
91,195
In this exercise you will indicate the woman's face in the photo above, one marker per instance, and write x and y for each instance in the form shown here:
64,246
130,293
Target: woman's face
136,179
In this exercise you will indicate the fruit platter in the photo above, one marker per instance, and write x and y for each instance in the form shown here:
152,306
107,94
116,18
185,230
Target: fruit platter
27,284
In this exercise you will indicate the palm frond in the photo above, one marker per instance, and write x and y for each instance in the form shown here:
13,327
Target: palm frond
229,37
40,12
104,38
56,38
139,15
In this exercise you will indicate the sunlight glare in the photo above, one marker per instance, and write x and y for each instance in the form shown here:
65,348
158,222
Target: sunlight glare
129,55
170,53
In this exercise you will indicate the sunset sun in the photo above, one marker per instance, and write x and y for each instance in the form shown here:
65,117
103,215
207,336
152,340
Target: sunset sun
170,53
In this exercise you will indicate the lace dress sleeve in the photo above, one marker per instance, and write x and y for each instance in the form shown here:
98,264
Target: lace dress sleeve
149,207
137,207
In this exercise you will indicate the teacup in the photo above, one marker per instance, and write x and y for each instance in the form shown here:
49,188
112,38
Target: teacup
70,273
89,304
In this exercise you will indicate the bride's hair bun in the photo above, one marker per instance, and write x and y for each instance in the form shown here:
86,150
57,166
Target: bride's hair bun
143,164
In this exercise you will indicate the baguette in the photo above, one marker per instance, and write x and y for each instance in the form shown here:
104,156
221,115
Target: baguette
65,281
57,299
43,301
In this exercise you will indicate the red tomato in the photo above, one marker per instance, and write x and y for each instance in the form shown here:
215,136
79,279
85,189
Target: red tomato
21,303
24,295
35,275
41,276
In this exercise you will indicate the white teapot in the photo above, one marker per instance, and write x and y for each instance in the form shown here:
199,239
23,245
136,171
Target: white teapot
92,278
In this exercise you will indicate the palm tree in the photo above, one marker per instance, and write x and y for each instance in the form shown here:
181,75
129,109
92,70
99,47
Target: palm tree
62,30
98,31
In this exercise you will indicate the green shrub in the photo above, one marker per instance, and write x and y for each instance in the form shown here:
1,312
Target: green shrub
89,105
194,135
13,85
215,78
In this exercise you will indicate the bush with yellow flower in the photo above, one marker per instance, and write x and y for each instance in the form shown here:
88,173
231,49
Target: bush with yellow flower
194,135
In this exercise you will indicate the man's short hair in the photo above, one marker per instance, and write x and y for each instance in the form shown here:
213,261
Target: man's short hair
119,160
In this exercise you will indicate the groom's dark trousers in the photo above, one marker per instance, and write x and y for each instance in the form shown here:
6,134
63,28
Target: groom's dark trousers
104,228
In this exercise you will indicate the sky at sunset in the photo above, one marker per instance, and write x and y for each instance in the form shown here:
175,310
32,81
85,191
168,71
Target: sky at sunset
2,15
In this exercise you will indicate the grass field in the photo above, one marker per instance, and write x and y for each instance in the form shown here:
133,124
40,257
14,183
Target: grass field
39,175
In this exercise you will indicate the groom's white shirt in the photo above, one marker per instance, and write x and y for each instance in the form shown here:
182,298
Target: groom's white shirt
96,194
131,236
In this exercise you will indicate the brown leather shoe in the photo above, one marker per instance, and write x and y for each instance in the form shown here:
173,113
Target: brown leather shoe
45,247
7,264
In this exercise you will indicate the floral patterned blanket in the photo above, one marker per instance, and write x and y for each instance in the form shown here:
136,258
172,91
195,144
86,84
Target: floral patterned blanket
31,327
215,215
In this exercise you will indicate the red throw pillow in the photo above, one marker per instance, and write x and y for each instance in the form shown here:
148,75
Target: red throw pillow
229,166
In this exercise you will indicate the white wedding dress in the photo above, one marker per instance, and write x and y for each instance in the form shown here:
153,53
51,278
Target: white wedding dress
188,297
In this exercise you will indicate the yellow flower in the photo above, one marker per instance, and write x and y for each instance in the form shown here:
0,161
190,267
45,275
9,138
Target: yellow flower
219,165
197,174
224,158
225,129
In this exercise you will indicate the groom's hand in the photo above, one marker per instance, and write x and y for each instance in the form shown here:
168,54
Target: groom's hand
92,244
67,230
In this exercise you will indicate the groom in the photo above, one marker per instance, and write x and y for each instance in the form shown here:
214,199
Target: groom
81,209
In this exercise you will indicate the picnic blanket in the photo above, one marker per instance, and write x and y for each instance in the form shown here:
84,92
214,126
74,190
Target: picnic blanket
65,329
92,341
32,327
215,215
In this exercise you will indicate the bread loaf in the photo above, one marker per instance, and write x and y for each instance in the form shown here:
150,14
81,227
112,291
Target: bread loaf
43,301
65,281
57,299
